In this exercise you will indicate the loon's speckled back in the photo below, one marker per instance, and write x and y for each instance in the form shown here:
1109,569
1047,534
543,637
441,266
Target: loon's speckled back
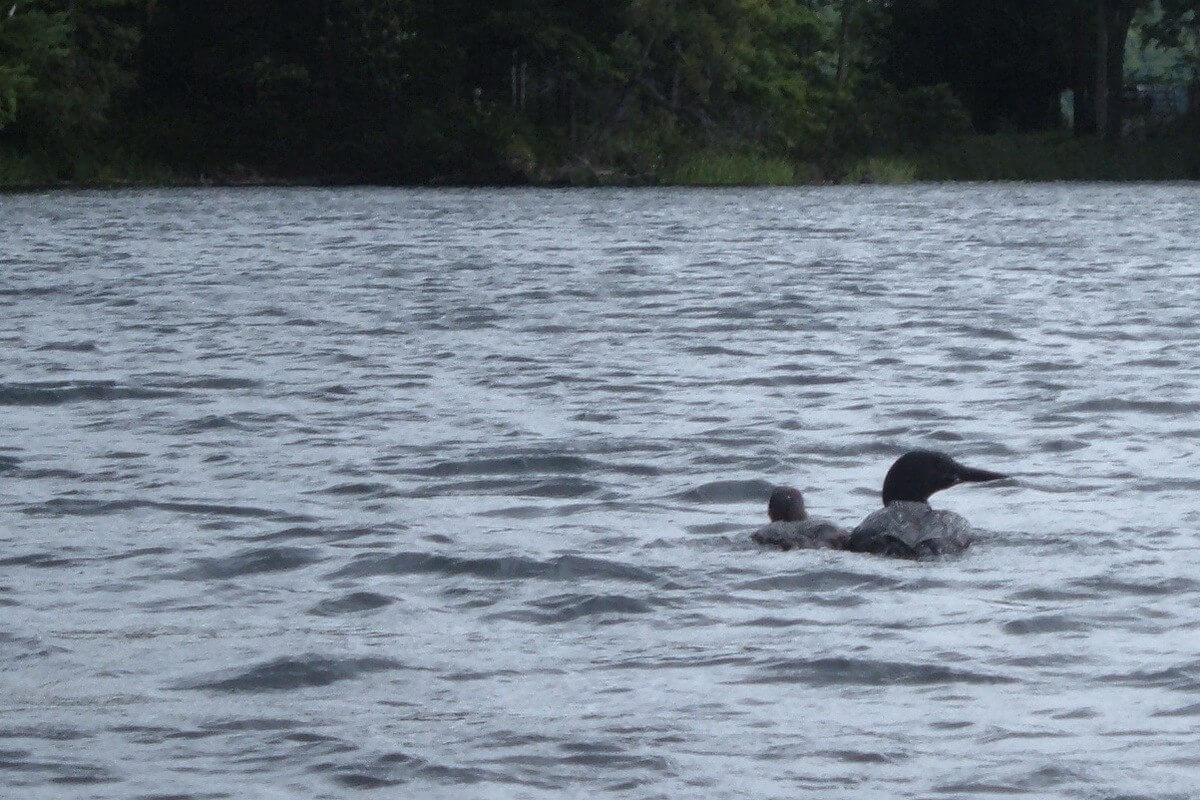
906,526
805,534
792,529
911,530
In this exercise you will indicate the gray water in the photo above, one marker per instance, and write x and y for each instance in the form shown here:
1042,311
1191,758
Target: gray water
446,494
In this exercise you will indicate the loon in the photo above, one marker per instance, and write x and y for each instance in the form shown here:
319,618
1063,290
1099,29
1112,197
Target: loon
906,526
792,529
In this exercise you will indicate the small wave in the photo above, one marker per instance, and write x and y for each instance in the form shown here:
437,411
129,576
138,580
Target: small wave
1109,587
365,489
85,346
238,724
1036,782
14,647
531,464
62,773
607,755
775,622
32,291
791,380
350,604
717,350
866,672
1051,594
217,382
1118,404
995,334
330,534
873,447
138,553
1181,677
393,769
728,492
53,393
922,414
1168,484
297,532
1191,710
1062,445
1045,623
568,607
715,528
208,422
531,512
285,674
241,421
89,508
682,662
860,757
476,318
251,562
825,580
499,568
42,474
43,560
1153,362
486,675
562,487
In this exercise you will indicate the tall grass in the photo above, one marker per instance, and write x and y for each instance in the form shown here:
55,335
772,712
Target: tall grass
881,170
1059,157
1055,156
731,169
19,170
90,164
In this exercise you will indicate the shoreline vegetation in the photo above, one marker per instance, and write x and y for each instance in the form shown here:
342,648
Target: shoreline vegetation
98,93
1036,157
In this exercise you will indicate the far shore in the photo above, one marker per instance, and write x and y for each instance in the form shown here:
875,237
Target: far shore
1048,157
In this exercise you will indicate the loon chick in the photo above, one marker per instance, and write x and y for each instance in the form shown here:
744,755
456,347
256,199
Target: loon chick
906,526
792,529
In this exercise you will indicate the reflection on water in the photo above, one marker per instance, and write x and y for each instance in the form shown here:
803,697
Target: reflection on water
327,490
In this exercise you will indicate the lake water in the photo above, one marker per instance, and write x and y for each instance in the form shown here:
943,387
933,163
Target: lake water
446,493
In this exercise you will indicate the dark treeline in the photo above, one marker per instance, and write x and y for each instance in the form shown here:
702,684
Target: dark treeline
548,90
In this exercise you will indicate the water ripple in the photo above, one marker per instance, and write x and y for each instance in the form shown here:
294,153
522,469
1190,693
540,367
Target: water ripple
501,568
448,492
288,673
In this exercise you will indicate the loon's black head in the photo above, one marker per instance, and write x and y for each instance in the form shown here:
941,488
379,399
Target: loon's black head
919,473
786,504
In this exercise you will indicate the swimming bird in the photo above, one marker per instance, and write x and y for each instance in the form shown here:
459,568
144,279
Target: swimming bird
906,526
792,529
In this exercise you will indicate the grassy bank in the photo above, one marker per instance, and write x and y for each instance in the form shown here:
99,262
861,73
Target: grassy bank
1014,157
1060,157
1055,156
98,166
730,169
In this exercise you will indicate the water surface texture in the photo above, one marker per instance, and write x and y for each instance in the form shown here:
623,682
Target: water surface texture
446,494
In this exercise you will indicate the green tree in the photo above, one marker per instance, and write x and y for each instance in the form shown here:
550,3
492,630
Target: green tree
1008,62
34,46
1176,23
64,63
1112,21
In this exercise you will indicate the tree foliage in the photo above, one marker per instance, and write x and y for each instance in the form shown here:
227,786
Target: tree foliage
544,89
34,45
63,63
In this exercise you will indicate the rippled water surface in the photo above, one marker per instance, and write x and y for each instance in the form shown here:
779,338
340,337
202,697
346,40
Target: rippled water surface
311,493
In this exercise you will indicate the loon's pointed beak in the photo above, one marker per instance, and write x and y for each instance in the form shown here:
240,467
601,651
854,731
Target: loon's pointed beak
972,475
